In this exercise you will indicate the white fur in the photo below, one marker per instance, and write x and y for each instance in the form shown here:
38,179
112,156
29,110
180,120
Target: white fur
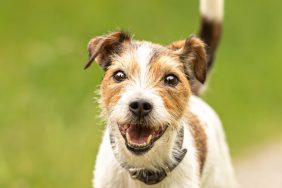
212,9
143,56
217,172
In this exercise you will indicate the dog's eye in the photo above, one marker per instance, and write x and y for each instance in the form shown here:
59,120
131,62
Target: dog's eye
171,80
119,76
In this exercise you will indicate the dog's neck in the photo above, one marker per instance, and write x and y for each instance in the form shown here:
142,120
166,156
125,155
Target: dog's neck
151,177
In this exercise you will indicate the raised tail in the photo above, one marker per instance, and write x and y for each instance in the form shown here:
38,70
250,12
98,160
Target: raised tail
211,26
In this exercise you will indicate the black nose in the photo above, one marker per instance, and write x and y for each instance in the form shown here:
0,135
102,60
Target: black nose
140,107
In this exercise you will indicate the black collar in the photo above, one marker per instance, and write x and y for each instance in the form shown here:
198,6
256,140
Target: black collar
151,177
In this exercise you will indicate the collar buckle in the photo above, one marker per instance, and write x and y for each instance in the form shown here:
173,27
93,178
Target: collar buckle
134,172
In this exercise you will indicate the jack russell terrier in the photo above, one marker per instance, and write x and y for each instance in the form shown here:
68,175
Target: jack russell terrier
159,133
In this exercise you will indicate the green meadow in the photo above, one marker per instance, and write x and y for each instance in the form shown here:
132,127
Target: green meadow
49,125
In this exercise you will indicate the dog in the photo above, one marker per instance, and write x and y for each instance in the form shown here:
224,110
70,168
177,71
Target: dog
159,132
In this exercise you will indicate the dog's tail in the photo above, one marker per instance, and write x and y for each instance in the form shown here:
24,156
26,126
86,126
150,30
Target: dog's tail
211,25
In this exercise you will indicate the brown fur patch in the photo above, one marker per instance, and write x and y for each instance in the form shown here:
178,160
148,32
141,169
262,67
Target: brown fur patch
200,138
111,90
174,98
192,52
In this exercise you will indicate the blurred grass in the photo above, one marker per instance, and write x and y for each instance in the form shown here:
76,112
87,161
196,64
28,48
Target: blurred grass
49,130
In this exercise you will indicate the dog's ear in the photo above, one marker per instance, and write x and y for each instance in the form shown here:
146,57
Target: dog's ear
193,54
102,47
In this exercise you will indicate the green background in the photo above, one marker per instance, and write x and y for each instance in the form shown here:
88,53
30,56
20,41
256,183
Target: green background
49,129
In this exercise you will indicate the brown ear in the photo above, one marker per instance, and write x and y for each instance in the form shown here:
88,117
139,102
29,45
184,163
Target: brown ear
192,52
102,47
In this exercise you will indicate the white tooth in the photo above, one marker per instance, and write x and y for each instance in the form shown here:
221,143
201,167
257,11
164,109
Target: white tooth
128,137
149,139
126,126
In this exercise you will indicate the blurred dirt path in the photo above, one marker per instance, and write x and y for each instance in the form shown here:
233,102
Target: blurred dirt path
261,168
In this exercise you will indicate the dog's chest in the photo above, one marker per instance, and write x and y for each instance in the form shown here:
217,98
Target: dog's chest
109,173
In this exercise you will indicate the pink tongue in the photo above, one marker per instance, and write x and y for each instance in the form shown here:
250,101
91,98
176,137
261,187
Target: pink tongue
138,134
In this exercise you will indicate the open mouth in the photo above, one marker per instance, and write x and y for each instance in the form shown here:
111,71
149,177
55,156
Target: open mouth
140,139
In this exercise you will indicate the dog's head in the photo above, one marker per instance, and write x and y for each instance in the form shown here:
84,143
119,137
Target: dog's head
144,92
